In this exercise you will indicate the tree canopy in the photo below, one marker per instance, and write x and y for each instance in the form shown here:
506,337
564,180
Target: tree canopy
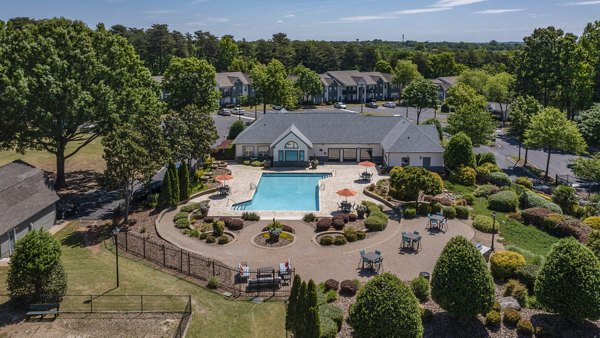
588,168
190,133
83,83
191,81
307,83
421,94
474,122
462,94
272,85
459,152
588,122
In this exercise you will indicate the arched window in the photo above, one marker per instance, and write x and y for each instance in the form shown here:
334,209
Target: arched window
291,145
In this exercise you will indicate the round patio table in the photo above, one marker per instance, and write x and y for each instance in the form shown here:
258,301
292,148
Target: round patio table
436,217
370,257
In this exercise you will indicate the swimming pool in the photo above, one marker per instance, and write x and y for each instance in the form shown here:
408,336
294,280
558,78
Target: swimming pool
291,192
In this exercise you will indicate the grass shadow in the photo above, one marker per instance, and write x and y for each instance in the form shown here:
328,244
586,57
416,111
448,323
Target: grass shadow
448,326
562,327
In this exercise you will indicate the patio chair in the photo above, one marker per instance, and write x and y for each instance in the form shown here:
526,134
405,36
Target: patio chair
363,259
244,271
405,240
379,263
444,224
418,242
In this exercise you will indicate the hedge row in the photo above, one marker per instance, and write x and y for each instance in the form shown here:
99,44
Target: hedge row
530,199
556,224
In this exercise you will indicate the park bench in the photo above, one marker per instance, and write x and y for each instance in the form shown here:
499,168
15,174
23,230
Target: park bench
43,309
264,281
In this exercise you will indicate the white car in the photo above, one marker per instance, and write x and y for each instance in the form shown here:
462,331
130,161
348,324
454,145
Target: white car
224,112
340,105
237,111
390,104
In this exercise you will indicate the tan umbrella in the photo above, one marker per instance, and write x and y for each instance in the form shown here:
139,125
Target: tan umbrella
223,178
366,164
346,193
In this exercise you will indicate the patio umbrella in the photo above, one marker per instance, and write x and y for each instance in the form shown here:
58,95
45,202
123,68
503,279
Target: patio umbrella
346,193
223,178
366,164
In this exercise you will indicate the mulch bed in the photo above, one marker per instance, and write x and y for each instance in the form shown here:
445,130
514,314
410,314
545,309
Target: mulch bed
265,242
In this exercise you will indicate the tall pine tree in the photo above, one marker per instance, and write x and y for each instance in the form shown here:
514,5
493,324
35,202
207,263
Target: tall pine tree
299,329
312,326
184,182
172,171
165,191
290,316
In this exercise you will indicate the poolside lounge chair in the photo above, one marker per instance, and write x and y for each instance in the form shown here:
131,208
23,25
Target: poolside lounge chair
285,271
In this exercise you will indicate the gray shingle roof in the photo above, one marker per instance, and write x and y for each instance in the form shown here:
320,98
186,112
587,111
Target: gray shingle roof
23,193
392,132
227,79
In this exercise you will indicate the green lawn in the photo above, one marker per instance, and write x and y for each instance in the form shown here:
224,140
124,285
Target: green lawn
88,158
92,271
513,232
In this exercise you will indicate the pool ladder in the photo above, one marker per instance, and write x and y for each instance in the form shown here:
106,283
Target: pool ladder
252,186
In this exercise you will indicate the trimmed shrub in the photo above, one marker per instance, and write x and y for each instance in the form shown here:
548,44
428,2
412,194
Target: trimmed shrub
339,240
409,213
449,212
348,288
331,296
486,190
250,216
381,297
594,243
484,224
527,274
421,289
593,222
210,239
223,240
352,217
233,223
482,174
530,199
360,235
343,217
505,201
333,313
544,331
566,197
190,207
326,240
487,157
436,207
500,179
213,282
525,327
218,228
424,209
461,265
511,317
470,198
209,219
525,182
464,176
324,224
181,215
182,223
350,234
504,264
406,183
338,223
310,217
462,212
331,284
567,282
492,319
328,327
377,221
203,235
459,152
535,216
236,128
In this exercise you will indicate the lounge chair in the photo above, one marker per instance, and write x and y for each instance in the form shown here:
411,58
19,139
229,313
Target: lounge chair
285,271
244,271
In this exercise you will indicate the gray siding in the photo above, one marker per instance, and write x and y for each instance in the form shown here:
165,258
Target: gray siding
42,220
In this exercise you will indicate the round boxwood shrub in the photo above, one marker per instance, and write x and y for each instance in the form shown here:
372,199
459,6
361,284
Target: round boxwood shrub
593,222
326,240
462,212
386,307
484,224
213,283
377,221
324,224
462,266
223,240
504,264
209,219
511,317
524,181
233,223
338,223
339,240
409,213
182,223
331,284
486,157
464,176
348,288
436,207
486,190
421,289
332,312
360,235
505,201
525,327
343,217
500,179
449,212
350,234
470,198
352,217
492,319
568,281
211,239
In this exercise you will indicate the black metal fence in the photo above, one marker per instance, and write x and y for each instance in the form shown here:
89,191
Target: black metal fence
258,283
123,303
577,182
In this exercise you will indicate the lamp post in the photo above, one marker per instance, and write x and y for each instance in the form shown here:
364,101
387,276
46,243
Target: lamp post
361,86
493,229
115,232
237,106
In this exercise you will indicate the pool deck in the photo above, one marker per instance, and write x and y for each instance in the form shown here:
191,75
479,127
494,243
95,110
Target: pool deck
246,178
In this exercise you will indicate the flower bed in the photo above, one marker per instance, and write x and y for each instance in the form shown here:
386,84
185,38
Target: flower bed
263,240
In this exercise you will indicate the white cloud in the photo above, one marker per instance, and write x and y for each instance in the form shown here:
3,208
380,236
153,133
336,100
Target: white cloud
197,2
289,16
364,18
218,20
279,21
158,12
581,3
454,3
500,11
422,10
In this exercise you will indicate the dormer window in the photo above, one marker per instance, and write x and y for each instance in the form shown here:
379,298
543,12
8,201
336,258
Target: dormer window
291,145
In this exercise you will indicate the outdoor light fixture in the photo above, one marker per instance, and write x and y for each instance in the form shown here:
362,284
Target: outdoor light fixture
493,228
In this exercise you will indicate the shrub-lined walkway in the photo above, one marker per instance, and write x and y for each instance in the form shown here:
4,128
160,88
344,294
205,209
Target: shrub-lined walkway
320,263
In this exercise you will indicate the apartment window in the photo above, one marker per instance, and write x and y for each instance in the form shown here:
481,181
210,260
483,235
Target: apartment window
248,151
405,161
291,145
263,151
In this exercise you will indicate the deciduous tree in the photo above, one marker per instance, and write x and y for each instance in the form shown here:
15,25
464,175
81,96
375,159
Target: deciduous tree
551,130
462,94
308,83
404,73
588,168
459,152
500,89
272,85
190,133
521,112
421,94
474,122
588,122
228,51
191,81
476,79
383,66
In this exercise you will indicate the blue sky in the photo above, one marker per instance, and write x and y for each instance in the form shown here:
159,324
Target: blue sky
433,20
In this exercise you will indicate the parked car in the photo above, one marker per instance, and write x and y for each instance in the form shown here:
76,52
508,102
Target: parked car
277,107
390,104
340,105
224,111
372,104
237,111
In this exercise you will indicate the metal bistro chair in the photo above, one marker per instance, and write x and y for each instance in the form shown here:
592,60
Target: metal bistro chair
405,240
444,225
363,259
417,241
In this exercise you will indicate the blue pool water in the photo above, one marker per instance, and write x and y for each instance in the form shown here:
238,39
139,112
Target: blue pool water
285,192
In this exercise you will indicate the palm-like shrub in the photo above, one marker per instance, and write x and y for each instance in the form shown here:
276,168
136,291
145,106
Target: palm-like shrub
461,282
569,281
386,307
